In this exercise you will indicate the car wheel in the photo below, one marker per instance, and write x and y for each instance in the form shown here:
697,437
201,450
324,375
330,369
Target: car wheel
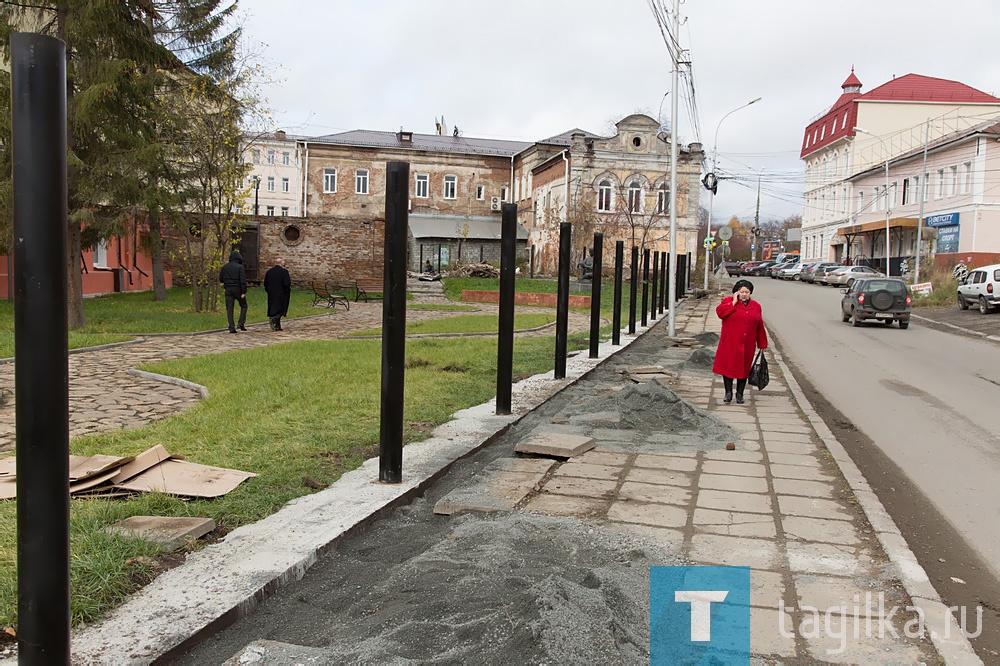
984,307
855,321
904,324
962,303
844,316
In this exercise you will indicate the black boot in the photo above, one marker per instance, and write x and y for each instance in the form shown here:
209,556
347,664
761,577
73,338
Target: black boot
739,398
729,397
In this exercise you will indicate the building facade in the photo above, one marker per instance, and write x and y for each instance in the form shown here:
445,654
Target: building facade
274,185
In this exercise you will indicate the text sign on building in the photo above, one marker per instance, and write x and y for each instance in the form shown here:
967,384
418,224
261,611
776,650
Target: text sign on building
947,240
942,220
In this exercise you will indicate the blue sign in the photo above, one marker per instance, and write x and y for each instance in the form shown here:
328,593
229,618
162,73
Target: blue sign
699,615
947,240
942,220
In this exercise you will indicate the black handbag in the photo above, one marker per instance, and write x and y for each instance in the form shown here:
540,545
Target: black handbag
759,375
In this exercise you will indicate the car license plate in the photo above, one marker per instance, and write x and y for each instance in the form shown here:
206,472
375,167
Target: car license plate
883,315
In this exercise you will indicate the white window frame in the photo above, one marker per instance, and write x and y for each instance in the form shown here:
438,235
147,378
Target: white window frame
504,191
663,200
284,211
635,197
966,183
939,186
605,193
421,182
270,211
101,253
270,157
270,183
286,185
329,181
361,181
256,155
286,158
450,187
952,180
480,192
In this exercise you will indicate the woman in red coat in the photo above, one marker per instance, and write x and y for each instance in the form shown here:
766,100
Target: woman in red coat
742,333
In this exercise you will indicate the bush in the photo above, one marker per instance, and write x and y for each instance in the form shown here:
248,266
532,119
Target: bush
944,289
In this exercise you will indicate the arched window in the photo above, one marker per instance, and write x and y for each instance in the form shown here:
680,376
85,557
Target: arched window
635,197
604,196
663,199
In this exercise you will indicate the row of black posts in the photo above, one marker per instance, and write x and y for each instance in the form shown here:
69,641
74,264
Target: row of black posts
38,93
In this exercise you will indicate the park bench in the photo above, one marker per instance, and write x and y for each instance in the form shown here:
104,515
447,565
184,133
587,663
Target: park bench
367,289
330,295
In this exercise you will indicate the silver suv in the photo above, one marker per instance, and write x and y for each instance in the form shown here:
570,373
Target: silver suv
982,287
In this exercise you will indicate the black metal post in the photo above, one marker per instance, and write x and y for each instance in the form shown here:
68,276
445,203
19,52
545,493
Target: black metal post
505,332
616,317
633,287
562,299
531,264
595,294
256,195
680,277
439,259
41,341
397,179
653,286
645,285
663,280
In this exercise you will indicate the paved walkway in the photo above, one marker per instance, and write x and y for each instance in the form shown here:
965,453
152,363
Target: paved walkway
104,396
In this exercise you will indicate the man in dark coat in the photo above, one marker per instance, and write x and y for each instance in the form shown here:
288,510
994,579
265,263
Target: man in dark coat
278,285
234,281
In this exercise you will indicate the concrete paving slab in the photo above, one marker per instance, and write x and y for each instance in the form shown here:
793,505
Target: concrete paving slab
803,488
734,468
735,551
169,533
659,476
767,589
679,463
823,558
273,653
743,484
812,507
580,487
802,460
603,457
825,592
799,472
588,471
834,641
496,491
647,492
655,515
565,505
738,455
724,500
766,639
559,445
773,436
733,523
798,448
819,529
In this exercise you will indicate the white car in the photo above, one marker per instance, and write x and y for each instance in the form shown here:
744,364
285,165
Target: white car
848,274
790,272
982,287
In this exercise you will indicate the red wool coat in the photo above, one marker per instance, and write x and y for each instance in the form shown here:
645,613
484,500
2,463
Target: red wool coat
742,333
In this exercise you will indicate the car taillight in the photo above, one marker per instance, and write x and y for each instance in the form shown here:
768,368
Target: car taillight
908,301
989,288
861,298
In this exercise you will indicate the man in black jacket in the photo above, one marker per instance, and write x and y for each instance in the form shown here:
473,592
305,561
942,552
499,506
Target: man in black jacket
234,281
278,285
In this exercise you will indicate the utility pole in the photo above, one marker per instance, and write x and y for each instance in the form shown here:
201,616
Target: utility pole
922,195
756,223
672,264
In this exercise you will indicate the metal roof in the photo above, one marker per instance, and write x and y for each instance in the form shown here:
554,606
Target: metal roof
428,142
566,138
459,226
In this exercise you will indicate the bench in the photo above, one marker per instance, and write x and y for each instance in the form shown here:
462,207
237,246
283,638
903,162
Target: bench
367,289
330,295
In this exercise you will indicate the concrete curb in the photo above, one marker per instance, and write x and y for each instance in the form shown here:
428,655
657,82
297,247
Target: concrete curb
967,331
225,581
948,638
167,379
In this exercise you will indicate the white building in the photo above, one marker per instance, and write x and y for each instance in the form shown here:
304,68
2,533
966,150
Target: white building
275,181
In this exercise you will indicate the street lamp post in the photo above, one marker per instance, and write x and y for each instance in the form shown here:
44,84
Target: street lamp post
885,149
715,154
256,195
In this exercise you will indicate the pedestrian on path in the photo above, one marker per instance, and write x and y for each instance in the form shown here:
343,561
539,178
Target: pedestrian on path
278,285
742,333
234,281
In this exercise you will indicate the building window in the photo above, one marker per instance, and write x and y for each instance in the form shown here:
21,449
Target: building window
270,211
503,193
939,185
635,198
952,180
451,187
284,211
861,202
329,180
285,185
480,192
270,183
270,157
361,181
286,159
927,185
291,235
967,178
604,196
420,188
101,253
663,200
256,156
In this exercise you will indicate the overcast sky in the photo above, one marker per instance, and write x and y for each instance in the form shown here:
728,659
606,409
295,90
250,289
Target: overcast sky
529,69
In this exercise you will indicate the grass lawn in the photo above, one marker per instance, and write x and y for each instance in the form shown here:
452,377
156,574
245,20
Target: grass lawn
305,408
453,288
468,324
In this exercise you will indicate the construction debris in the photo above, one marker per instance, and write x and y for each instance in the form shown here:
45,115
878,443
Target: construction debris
483,270
153,470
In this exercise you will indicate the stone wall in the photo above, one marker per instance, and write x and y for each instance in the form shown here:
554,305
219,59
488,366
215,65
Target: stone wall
324,248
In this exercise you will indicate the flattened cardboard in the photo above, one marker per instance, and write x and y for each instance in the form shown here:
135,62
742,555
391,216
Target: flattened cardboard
83,467
178,477
8,466
91,482
141,463
8,488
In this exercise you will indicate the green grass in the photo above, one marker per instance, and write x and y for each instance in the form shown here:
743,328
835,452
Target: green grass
306,408
441,306
468,324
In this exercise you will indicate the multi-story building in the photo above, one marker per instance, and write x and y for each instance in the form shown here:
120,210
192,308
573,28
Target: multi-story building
274,184
897,117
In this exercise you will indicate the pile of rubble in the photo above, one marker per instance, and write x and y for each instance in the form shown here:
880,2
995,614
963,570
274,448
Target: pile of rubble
483,270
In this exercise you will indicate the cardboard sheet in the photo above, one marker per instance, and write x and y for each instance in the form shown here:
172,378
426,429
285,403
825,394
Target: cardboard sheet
179,477
141,463
83,467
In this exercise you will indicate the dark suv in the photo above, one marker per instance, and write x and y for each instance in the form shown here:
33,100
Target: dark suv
882,299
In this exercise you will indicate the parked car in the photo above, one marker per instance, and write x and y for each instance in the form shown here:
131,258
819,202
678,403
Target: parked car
748,265
776,268
760,269
848,274
981,286
790,272
824,275
813,272
882,299
732,267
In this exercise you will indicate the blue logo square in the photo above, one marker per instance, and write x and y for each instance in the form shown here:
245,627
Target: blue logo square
699,615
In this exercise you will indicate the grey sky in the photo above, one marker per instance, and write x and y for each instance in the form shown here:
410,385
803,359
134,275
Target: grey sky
528,69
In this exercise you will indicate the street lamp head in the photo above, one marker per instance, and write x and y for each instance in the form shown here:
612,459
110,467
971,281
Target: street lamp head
754,101
863,131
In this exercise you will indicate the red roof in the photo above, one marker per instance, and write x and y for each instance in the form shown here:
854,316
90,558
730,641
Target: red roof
852,81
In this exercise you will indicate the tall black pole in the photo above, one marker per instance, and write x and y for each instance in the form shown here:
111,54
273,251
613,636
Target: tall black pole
616,317
505,333
653,285
595,294
645,284
41,340
562,299
390,461
531,264
633,287
663,280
